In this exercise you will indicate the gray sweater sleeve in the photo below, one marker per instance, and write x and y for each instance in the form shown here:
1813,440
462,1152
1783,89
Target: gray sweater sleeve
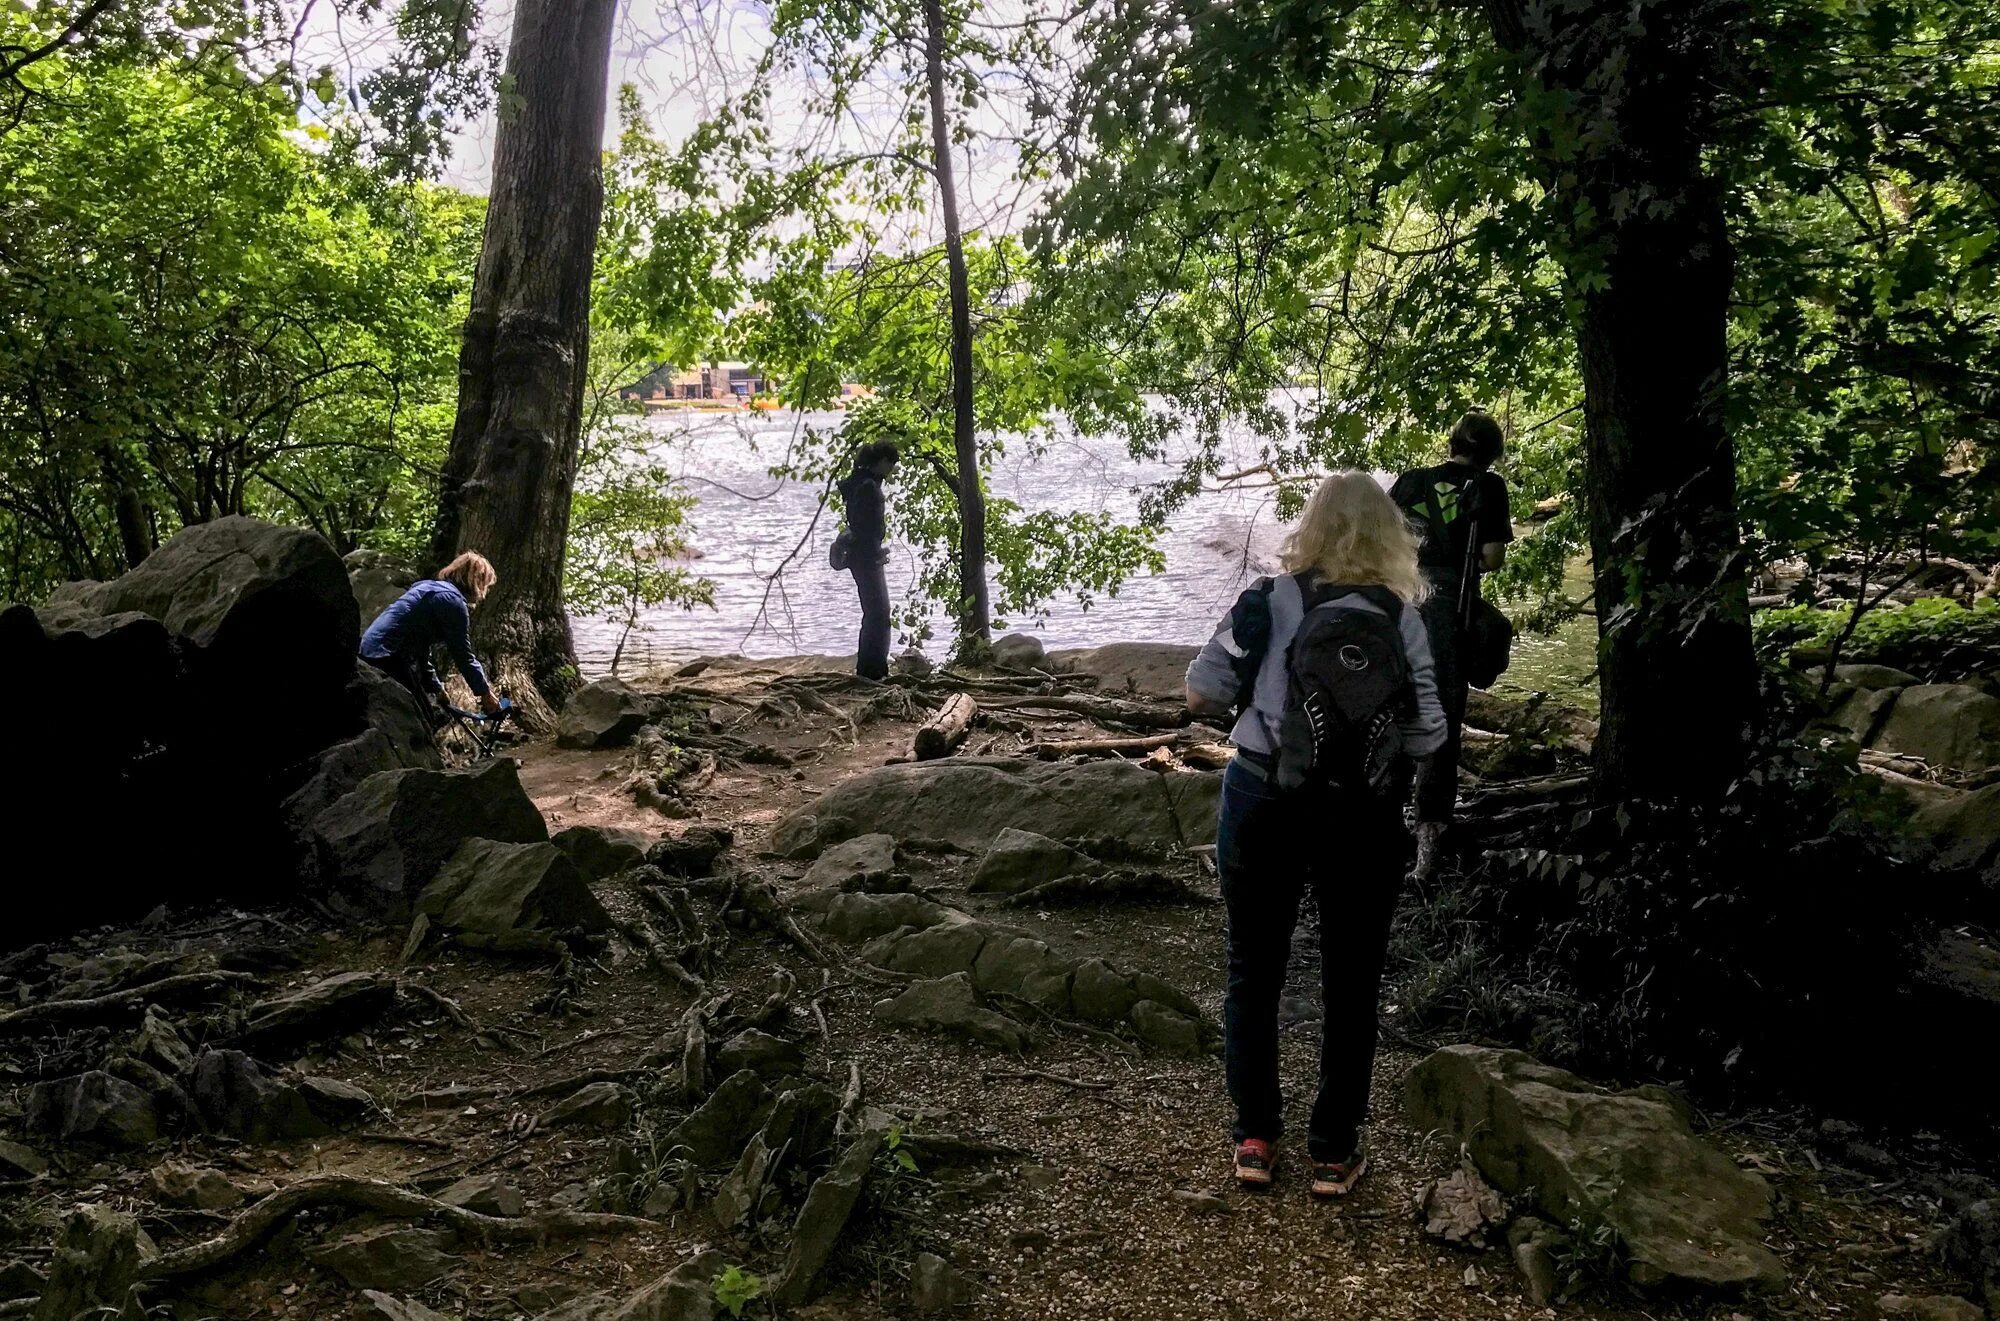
1210,674
1424,732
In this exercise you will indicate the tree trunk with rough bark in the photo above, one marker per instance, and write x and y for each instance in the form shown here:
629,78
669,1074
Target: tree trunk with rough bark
506,486
974,613
1654,265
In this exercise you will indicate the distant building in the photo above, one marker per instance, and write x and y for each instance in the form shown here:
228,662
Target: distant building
716,382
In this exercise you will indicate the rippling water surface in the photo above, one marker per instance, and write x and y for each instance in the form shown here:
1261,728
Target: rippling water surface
748,522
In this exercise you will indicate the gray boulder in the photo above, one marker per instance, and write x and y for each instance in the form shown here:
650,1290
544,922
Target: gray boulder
594,1105
332,1006
1962,835
969,801
605,713
935,1286
1861,712
601,851
1020,651
1872,676
93,1107
1157,669
377,579
19,1162
1021,859
99,1255
823,1219
715,1133
382,843
391,710
951,1005
866,916
492,888
1683,1213
391,1257
1168,1029
239,1098
197,1186
488,1194
861,863
693,852
761,1053
1946,724
336,1100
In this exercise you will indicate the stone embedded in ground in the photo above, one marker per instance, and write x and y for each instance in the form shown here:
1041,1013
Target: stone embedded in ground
1862,711
1099,993
594,1105
692,853
1946,724
1025,967
743,1188
197,1186
1168,1029
861,863
866,916
1684,1214
715,1133
332,1006
829,1205
935,1286
17,1161
1019,651
492,888
686,1293
1021,859
99,1255
605,713
388,708
761,1053
336,1100
396,1258
93,1107
1971,1241
488,1194
388,1307
968,801
951,1005
1461,1208
1533,1242
601,851
159,1043
1201,1203
382,843
1873,676
1930,1308
239,1098
1962,835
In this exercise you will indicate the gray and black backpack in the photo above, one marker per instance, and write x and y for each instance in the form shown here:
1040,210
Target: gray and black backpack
1348,690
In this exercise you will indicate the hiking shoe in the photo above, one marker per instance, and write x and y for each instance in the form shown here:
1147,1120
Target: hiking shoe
1253,1163
1335,1178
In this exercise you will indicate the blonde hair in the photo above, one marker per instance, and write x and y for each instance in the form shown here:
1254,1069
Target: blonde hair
471,574
1352,532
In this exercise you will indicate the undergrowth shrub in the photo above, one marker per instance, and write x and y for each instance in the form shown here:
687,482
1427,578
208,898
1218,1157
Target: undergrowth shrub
1936,639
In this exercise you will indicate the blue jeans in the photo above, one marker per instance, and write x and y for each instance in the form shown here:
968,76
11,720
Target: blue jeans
871,581
1270,846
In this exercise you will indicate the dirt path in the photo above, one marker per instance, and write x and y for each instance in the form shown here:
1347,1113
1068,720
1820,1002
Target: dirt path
1116,1206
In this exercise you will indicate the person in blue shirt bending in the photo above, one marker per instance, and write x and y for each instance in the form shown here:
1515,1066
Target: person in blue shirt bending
434,612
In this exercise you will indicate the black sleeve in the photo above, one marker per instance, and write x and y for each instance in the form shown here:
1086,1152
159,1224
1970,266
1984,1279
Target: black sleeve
1407,492
1496,520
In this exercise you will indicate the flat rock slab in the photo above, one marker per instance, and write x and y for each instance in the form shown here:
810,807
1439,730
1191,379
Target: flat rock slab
601,851
392,1258
1684,1214
1022,859
968,802
335,1005
1947,724
493,888
381,844
1155,669
951,1005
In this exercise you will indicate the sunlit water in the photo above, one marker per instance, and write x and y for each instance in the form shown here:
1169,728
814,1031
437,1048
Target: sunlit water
775,595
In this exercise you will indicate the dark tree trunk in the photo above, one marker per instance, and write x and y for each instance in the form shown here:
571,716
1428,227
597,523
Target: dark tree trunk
1653,267
975,623
505,489
128,508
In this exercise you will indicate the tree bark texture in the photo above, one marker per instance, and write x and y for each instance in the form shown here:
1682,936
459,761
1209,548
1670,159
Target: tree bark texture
506,486
1652,264
975,623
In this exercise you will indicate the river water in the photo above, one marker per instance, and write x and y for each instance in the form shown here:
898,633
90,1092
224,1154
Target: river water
748,523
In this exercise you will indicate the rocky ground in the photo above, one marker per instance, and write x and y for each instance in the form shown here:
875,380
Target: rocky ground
867,1058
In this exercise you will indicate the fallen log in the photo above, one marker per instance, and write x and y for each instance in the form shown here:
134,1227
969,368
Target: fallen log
1099,747
947,729
384,1199
100,1007
1111,710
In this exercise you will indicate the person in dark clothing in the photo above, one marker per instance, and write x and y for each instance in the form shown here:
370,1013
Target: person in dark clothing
1462,506
867,525
435,612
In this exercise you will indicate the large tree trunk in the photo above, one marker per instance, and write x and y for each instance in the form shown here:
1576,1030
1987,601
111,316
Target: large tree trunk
505,491
974,614
1654,265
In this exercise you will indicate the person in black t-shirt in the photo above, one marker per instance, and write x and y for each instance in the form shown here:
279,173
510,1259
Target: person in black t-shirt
1462,507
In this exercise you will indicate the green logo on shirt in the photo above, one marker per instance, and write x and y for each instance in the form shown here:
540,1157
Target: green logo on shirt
1446,502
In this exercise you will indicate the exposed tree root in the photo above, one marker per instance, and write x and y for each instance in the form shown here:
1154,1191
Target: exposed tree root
384,1199
1086,888
101,1007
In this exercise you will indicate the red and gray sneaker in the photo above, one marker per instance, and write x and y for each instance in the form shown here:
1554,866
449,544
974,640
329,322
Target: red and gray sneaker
1254,1163
1335,1178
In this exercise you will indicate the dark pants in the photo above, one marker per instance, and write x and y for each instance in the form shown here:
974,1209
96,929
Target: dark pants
871,580
1270,847
1437,780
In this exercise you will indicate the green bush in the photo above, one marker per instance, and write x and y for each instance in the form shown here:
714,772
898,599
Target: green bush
1937,640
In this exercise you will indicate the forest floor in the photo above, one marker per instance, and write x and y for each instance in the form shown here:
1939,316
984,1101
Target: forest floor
1118,1203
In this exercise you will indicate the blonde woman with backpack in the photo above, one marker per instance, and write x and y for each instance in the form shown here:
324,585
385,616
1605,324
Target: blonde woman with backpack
1329,672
